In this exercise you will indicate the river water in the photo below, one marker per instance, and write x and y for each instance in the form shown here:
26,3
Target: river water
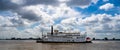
32,45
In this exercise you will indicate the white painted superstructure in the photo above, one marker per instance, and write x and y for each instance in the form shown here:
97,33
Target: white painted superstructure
64,37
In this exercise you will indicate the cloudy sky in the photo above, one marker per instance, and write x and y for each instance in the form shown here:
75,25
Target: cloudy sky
28,18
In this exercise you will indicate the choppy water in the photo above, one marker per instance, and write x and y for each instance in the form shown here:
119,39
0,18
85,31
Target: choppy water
32,45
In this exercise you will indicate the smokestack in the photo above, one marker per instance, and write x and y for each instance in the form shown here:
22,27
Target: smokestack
51,30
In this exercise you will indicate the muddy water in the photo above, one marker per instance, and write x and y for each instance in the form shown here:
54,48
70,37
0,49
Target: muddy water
32,45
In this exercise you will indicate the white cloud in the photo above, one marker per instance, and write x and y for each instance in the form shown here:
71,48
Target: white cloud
95,1
102,24
46,15
5,21
14,21
9,32
19,2
69,21
106,6
95,24
26,16
63,11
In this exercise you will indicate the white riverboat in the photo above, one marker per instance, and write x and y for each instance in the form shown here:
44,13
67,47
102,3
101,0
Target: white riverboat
57,36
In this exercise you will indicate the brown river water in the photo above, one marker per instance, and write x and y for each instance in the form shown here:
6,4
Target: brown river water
32,45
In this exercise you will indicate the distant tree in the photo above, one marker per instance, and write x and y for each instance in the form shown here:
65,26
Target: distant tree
93,38
18,38
38,38
113,39
13,38
105,38
30,38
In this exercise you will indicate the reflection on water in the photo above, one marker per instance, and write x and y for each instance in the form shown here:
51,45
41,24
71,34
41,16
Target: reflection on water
31,45
64,46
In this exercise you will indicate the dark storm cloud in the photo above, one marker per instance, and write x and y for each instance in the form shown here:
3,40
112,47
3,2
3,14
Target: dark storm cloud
7,5
28,14
15,7
44,2
78,2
